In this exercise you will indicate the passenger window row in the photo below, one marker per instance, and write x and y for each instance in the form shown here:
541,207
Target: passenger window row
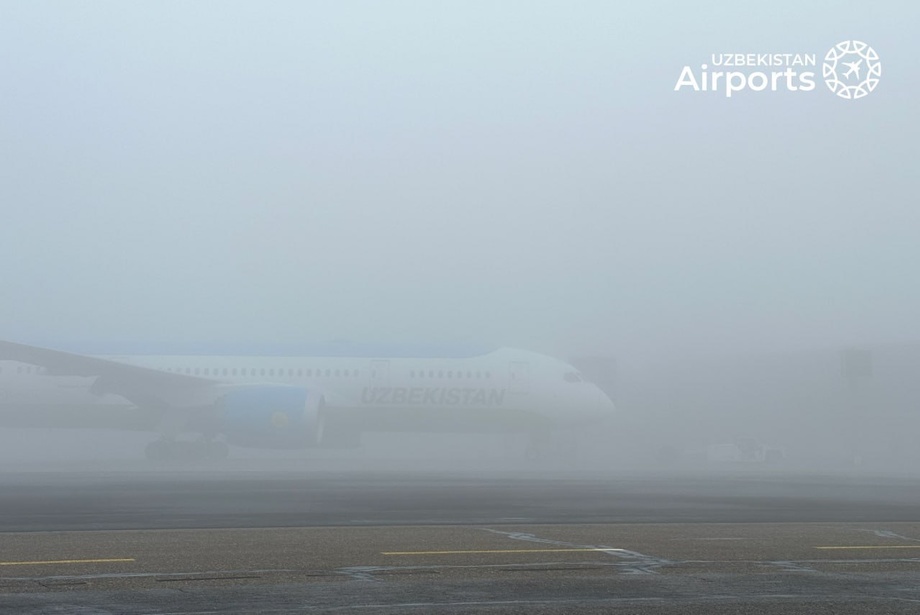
270,372
253,372
448,374
28,369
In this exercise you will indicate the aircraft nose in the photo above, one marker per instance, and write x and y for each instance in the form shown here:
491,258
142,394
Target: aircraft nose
608,406
603,404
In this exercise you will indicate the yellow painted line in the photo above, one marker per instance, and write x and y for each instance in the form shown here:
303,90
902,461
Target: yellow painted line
70,561
872,547
493,551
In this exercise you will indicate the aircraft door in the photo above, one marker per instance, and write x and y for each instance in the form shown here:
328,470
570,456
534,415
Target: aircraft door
380,371
519,376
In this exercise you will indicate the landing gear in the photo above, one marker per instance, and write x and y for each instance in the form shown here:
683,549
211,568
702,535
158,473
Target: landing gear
186,450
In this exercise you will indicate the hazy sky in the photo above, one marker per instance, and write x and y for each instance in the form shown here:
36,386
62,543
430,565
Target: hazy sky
501,172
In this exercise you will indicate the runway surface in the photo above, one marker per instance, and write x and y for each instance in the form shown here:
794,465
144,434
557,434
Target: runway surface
425,542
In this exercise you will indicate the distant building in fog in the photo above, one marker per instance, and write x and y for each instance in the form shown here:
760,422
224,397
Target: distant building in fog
802,400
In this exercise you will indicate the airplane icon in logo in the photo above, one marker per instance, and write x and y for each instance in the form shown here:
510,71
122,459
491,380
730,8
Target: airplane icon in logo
853,68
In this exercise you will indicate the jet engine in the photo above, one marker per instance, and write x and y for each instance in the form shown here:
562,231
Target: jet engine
271,416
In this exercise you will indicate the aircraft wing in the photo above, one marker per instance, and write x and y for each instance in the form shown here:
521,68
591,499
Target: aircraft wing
138,384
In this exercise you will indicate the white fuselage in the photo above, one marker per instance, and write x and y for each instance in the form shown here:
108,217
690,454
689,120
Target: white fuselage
503,390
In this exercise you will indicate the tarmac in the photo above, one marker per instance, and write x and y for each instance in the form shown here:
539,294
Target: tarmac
327,540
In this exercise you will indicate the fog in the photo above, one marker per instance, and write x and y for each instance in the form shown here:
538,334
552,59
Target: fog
510,174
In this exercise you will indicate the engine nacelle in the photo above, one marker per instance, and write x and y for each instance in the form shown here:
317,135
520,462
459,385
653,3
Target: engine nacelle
271,416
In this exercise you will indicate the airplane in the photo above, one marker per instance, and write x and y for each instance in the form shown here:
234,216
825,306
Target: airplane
322,400
853,68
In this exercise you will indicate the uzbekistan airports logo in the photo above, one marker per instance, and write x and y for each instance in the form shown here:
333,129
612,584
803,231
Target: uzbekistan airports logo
851,70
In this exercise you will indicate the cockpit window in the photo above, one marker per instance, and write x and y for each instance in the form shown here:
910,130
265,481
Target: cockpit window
572,377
